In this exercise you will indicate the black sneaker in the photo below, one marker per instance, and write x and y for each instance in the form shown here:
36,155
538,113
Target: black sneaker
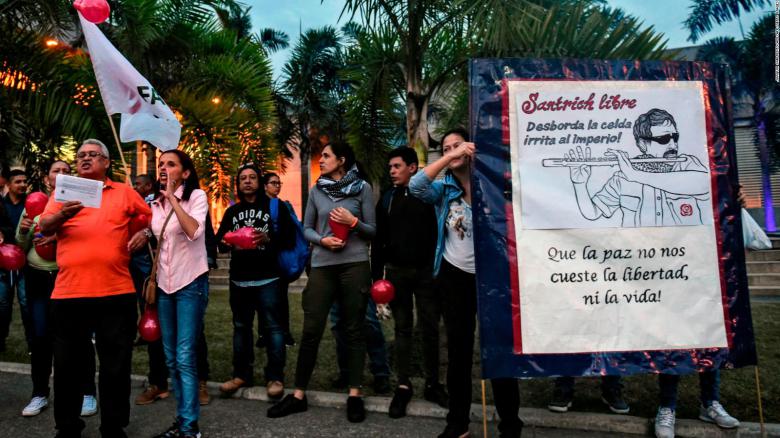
614,399
289,340
172,432
382,385
561,401
435,393
340,383
288,406
356,411
455,431
260,343
400,401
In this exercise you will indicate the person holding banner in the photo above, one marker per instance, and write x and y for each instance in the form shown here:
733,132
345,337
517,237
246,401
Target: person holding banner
340,202
178,220
710,411
454,267
94,293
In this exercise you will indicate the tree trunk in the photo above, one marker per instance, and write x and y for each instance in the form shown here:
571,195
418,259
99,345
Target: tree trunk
305,154
417,123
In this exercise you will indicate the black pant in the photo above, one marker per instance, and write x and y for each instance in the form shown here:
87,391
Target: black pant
113,321
415,284
460,309
40,284
348,284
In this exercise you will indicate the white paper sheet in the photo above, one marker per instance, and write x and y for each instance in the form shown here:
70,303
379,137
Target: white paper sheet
72,188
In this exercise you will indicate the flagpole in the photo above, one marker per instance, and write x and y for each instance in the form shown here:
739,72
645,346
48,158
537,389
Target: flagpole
484,411
119,147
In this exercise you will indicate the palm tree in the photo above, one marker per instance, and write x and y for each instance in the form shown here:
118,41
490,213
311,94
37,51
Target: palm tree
216,77
424,46
753,77
704,13
46,92
309,94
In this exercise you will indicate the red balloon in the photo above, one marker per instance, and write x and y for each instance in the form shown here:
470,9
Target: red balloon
47,251
138,223
340,230
35,203
149,325
11,257
94,11
382,291
242,238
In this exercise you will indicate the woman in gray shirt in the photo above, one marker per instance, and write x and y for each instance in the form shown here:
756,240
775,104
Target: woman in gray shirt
340,272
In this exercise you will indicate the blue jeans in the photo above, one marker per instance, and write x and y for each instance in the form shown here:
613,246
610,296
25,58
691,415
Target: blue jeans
181,318
11,282
266,300
709,388
375,341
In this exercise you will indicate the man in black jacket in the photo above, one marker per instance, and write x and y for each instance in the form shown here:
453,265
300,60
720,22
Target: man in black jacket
402,253
255,277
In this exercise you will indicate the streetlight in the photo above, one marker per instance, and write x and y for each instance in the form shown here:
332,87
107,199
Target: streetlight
216,100
51,42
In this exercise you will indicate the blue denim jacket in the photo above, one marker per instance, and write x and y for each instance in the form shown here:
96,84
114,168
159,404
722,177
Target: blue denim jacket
440,194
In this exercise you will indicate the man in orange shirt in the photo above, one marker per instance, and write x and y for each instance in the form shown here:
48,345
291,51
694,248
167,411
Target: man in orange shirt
94,293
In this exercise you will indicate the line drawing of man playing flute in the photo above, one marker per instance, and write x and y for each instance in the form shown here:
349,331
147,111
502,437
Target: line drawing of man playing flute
651,193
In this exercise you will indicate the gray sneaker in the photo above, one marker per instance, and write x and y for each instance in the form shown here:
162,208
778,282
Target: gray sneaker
715,413
36,405
664,423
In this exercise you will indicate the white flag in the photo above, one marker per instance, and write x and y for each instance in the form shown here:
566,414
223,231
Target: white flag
145,116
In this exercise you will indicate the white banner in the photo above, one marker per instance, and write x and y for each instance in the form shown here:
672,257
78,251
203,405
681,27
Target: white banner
145,116
613,215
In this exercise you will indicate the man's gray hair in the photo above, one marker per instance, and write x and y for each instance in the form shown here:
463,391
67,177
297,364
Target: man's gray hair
103,148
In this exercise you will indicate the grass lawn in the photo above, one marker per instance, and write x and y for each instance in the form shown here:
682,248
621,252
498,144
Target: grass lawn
738,389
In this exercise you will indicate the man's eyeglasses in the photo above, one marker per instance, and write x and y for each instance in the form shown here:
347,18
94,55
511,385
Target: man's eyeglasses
664,139
275,183
90,154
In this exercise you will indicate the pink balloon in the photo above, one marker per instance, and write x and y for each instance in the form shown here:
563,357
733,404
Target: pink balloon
11,257
149,325
35,203
382,291
94,11
242,238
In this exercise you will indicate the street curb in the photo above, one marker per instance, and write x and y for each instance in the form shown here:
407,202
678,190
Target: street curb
533,417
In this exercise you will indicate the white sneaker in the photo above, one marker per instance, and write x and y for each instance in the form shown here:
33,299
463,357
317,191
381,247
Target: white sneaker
664,423
89,406
36,405
717,414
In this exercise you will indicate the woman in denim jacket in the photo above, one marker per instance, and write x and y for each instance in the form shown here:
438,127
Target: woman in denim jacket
454,269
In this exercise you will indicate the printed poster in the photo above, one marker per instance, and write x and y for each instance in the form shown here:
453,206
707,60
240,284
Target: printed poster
613,209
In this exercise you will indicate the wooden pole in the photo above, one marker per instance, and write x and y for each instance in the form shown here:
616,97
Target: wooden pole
760,406
125,167
484,411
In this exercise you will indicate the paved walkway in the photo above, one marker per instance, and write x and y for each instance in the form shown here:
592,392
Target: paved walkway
244,416
235,418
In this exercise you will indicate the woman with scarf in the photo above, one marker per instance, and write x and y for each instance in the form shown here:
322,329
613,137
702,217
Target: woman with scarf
339,272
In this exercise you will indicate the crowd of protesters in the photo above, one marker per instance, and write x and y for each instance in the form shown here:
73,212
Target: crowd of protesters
418,235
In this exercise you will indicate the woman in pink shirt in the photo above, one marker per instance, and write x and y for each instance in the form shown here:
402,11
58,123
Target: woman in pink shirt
182,281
